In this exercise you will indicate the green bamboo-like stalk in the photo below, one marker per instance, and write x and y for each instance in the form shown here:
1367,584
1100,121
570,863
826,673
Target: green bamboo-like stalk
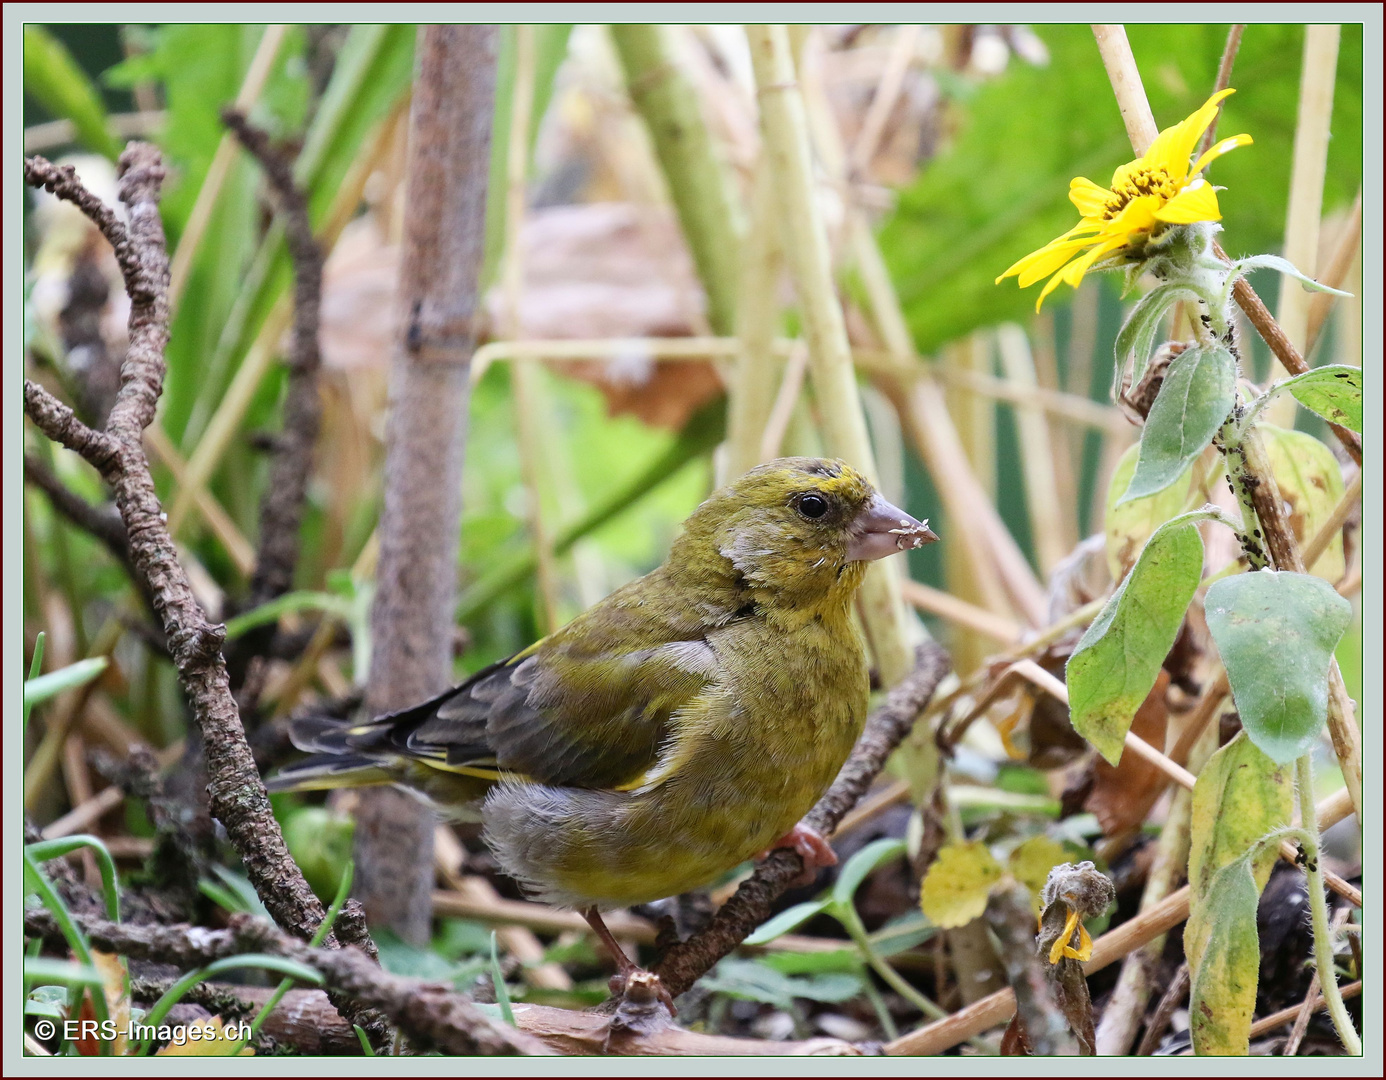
754,383
786,148
524,378
1302,217
693,168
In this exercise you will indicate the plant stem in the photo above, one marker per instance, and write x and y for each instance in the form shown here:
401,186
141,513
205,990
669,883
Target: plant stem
1301,247
1318,910
853,924
784,127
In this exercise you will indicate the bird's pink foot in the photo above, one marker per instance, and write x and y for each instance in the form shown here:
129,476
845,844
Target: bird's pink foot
812,847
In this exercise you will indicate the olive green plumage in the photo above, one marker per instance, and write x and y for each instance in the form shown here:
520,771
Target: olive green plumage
676,728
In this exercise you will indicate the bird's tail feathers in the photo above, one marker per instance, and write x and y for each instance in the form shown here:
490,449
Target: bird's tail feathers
330,770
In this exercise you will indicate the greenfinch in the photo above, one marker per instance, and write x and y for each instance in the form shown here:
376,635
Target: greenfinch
679,727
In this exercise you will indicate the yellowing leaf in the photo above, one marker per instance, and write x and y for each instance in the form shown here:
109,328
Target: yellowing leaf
1240,796
1311,483
1222,935
115,980
956,888
1128,525
1031,862
206,1039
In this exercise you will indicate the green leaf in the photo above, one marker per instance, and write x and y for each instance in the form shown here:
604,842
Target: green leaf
55,80
498,981
1240,796
955,890
320,842
46,969
785,921
1137,334
1197,394
1274,262
550,47
1334,391
299,600
361,1037
35,668
844,959
902,933
54,683
1224,960
1129,524
53,849
754,980
1310,482
875,854
1275,631
1118,658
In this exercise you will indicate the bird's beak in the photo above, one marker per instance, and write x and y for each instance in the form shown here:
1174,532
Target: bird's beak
882,529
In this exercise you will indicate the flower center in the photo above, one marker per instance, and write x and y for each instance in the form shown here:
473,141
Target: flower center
1133,182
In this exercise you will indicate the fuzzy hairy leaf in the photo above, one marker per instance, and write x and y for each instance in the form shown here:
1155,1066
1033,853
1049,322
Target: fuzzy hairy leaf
1128,525
1276,631
1333,391
1224,960
1241,795
1137,334
1118,658
1310,482
1194,400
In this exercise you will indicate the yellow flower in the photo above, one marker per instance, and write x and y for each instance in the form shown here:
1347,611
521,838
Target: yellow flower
1157,189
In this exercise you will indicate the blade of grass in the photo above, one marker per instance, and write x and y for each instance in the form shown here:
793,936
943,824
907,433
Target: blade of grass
261,64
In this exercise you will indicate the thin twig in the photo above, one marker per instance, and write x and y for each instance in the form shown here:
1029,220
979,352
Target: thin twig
102,522
281,509
1223,81
1173,996
433,1014
1284,1016
686,962
236,794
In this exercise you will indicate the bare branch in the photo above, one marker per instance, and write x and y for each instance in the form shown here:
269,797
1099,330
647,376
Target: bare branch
432,1014
237,797
281,511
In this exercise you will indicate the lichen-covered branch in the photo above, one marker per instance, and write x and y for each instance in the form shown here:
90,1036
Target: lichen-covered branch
432,1014
236,794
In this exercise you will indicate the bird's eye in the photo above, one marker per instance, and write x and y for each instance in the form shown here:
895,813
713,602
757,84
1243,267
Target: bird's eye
813,506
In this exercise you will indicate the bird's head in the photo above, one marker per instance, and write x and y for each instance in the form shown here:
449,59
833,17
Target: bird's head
800,529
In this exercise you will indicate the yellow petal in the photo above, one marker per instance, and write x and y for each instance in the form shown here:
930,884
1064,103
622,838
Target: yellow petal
1137,216
1060,243
1090,198
1049,287
1051,262
1177,143
1061,946
1218,149
1197,202
1074,271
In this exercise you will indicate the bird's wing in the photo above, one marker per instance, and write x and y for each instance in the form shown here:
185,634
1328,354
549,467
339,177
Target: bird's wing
565,711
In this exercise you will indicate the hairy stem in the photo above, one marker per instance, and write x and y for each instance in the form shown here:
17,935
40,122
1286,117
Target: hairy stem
1318,910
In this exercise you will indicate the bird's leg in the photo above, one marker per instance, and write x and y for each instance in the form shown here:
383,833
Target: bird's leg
812,847
627,971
